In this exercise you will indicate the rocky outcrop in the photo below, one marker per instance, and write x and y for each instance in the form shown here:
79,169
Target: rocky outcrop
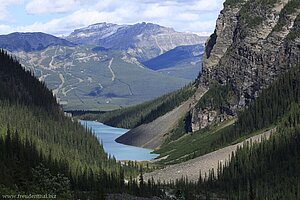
253,43
201,119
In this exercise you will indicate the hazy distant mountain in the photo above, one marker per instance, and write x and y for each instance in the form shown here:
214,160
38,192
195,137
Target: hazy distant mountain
30,41
174,56
182,61
91,78
143,40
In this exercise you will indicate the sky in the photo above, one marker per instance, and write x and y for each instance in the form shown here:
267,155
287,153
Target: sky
61,17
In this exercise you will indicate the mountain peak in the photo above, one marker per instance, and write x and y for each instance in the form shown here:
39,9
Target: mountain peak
142,40
97,26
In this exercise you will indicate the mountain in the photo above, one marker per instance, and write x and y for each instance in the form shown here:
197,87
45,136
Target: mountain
252,45
93,33
171,58
182,61
249,86
31,41
91,78
258,43
143,40
103,70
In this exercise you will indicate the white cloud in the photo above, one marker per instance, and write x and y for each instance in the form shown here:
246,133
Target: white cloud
5,29
4,4
182,15
206,6
51,6
157,11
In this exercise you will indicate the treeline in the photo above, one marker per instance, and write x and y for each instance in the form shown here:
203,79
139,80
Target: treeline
232,2
134,116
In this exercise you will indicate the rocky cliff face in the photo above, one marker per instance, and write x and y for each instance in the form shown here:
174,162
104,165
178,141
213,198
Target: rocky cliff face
254,42
143,40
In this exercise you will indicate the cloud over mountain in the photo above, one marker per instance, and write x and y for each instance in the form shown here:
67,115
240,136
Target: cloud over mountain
60,17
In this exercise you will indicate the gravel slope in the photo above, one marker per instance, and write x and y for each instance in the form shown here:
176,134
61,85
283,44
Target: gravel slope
204,163
151,135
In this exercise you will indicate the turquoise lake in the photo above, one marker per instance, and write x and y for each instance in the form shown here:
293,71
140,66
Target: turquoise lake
107,135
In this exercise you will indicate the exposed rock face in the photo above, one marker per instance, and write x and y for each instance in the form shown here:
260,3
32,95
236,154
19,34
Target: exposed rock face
201,119
143,40
254,42
249,53
93,33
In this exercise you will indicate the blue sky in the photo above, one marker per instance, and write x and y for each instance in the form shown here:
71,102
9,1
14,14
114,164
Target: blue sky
60,17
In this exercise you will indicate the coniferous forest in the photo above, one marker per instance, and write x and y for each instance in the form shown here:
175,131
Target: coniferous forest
44,152
134,116
266,170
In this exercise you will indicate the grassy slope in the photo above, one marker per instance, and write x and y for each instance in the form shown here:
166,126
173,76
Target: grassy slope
192,145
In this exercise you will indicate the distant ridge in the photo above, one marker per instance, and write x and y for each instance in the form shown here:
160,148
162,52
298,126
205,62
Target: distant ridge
173,57
30,41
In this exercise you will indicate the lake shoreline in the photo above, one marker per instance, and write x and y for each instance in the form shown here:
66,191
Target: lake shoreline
107,136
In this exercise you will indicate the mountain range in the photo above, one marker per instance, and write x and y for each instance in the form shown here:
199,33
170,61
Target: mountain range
232,133
143,40
96,68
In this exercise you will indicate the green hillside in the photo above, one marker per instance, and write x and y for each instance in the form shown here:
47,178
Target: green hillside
42,151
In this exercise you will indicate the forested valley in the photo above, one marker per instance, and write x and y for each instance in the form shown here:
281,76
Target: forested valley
45,152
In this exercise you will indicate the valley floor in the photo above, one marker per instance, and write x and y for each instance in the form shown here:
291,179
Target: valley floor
192,168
